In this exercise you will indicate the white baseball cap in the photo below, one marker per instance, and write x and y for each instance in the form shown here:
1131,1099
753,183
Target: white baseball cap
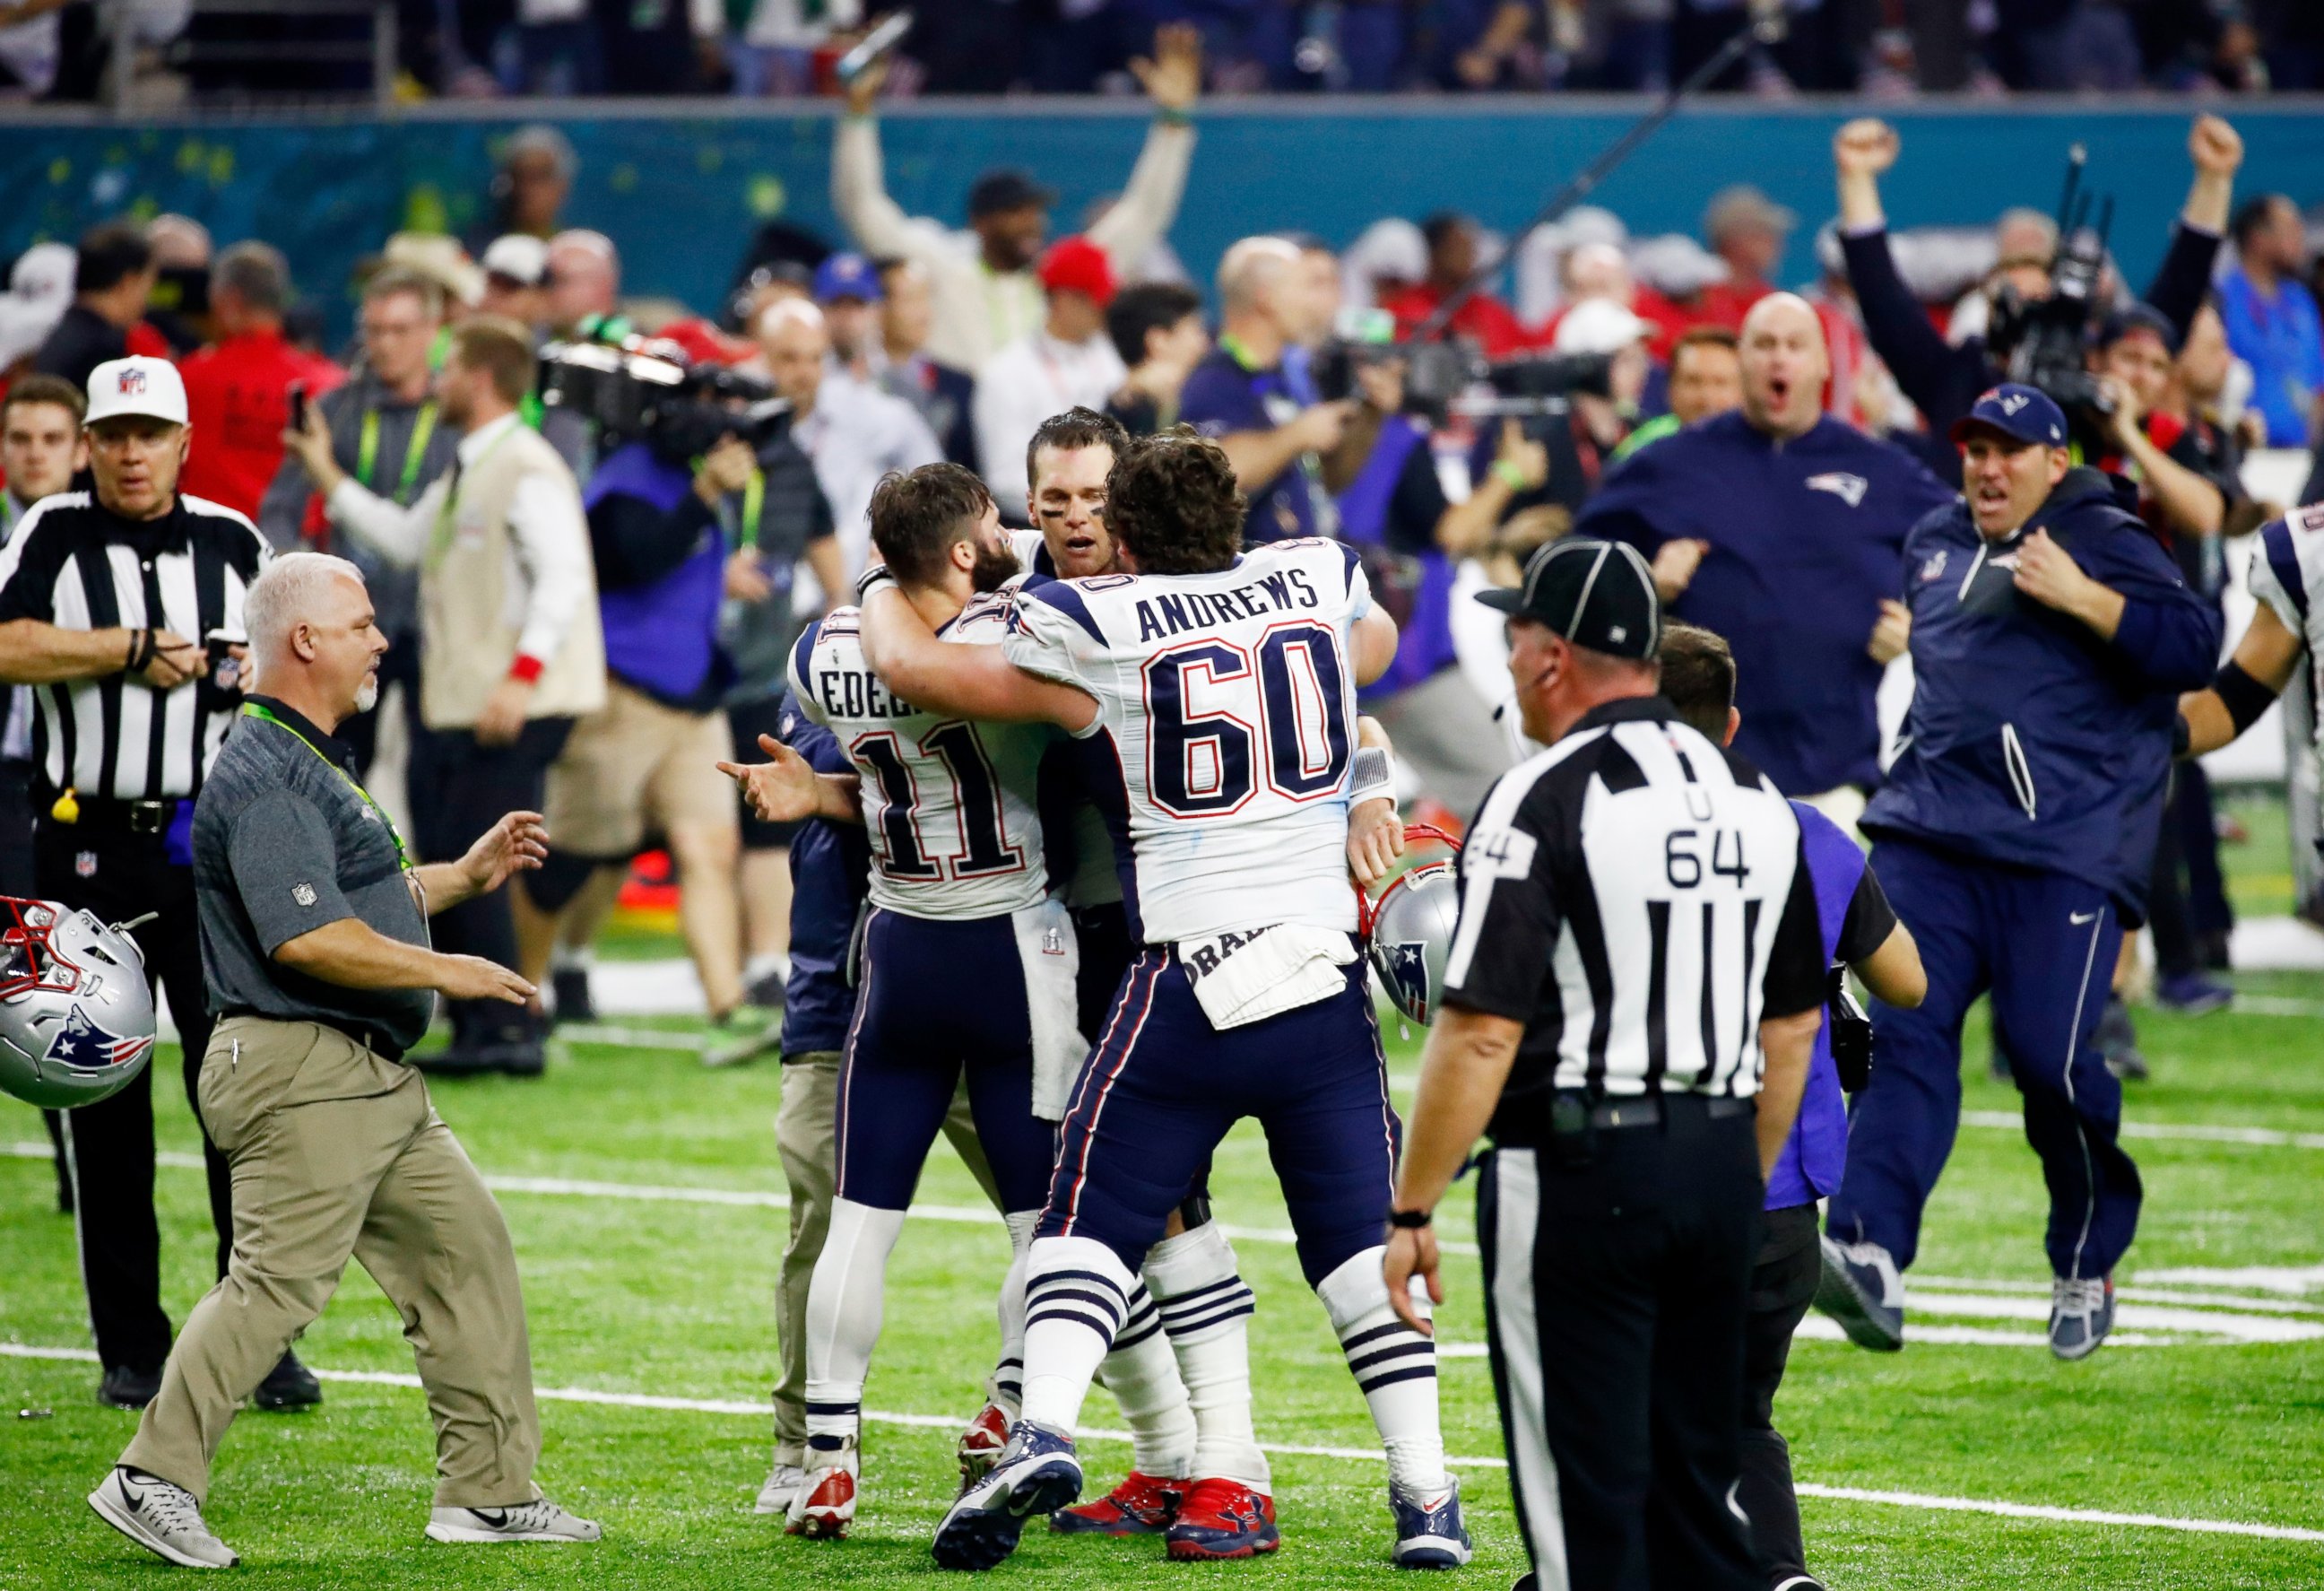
1598,326
520,256
139,385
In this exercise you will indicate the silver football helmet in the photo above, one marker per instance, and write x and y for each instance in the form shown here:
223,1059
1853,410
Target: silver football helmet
75,1013
1412,936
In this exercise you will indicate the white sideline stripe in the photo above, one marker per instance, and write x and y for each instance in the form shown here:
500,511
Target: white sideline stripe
755,1410
2079,1516
2266,1137
618,1038
580,1188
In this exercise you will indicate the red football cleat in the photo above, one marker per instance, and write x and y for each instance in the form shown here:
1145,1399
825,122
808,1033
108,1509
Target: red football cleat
1142,1506
825,1507
981,1444
1222,1519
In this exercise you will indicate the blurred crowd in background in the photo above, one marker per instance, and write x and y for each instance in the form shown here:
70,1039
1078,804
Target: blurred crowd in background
910,339
62,49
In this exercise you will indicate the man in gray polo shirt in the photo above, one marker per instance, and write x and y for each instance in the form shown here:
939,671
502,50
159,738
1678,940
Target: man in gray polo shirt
314,950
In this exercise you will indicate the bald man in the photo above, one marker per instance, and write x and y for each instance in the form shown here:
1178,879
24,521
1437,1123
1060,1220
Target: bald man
1782,528
1267,418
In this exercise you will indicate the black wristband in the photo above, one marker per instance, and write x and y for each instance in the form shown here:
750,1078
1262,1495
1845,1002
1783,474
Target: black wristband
871,580
142,648
2182,738
1410,1220
2245,698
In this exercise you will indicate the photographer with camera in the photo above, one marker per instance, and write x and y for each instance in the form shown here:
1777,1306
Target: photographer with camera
1393,508
510,649
646,763
1782,528
1243,395
1943,381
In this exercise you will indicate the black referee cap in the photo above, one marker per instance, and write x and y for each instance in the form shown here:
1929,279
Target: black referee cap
1598,595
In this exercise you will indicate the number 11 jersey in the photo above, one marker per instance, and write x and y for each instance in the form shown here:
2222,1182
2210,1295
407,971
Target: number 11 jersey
1225,733
952,807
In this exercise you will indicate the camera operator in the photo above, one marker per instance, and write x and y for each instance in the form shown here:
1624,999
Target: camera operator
646,763
2180,492
1391,506
1582,425
1782,528
779,518
1269,425
511,648
1943,381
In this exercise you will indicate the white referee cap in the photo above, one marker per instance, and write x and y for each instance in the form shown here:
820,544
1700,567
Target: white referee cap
139,385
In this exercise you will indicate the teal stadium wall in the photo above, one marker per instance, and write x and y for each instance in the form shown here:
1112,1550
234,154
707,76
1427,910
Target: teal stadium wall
680,186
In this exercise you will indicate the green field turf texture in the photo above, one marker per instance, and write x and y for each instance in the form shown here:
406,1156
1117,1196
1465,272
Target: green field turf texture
675,1299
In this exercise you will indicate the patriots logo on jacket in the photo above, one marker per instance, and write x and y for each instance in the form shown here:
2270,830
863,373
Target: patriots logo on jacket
1935,567
1848,488
1408,969
82,1044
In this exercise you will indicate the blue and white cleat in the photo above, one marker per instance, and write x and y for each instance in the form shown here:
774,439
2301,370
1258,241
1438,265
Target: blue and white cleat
1862,1290
1037,1473
1428,1533
2082,1313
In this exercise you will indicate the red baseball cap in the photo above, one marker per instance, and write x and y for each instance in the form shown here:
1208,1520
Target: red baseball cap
1076,265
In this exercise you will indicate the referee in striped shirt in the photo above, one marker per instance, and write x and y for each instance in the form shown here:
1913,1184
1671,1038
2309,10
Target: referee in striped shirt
105,599
1632,992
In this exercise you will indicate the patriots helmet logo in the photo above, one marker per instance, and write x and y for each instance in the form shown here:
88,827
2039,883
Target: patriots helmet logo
82,1043
1405,965
1848,488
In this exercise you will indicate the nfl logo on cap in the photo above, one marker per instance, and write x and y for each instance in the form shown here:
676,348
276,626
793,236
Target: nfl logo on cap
140,386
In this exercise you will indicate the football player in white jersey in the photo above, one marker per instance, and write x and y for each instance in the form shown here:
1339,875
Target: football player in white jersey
1213,696
960,904
1180,1365
2287,576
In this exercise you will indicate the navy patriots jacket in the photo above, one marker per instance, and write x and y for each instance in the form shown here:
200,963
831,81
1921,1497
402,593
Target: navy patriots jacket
2030,741
1807,537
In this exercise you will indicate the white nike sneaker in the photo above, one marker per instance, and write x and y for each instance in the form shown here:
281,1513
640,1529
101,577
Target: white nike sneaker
784,1482
541,1521
824,1506
162,1518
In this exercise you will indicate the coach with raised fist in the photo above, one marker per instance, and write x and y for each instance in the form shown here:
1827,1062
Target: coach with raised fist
314,945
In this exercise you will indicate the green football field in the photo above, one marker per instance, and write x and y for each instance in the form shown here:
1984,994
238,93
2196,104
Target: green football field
645,1200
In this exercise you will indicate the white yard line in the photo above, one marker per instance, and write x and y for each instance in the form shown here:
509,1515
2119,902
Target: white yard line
584,1188
2263,1137
755,1409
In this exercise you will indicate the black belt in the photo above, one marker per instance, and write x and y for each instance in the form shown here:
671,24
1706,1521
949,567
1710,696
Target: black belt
113,817
1569,1115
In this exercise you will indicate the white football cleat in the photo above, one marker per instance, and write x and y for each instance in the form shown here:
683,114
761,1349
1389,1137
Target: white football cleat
785,1482
162,1518
538,1520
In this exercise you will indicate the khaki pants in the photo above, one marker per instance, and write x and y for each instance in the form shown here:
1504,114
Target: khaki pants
805,1128
335,1152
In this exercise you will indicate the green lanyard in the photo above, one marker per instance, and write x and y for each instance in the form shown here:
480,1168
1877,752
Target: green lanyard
252,709
441,543
754,503
415,451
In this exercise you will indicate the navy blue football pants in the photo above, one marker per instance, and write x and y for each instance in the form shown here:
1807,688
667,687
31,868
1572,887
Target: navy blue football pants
2044,945
1163,1087
937,999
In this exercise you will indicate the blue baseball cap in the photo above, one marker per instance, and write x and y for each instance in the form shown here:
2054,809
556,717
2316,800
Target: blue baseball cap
846,276
2018,411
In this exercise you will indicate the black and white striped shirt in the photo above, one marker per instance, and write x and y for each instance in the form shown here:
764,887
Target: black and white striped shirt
76,565
1636,897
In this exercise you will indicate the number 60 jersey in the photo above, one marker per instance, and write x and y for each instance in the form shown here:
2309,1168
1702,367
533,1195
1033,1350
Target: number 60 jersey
952,807
1225,731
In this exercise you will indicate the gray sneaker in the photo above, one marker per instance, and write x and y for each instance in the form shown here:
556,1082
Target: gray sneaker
2082,1314
541,1521
162,1518
1859,1288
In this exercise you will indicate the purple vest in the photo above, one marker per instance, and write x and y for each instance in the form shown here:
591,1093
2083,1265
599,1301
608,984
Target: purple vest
662,638
1808,1167
1423,610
